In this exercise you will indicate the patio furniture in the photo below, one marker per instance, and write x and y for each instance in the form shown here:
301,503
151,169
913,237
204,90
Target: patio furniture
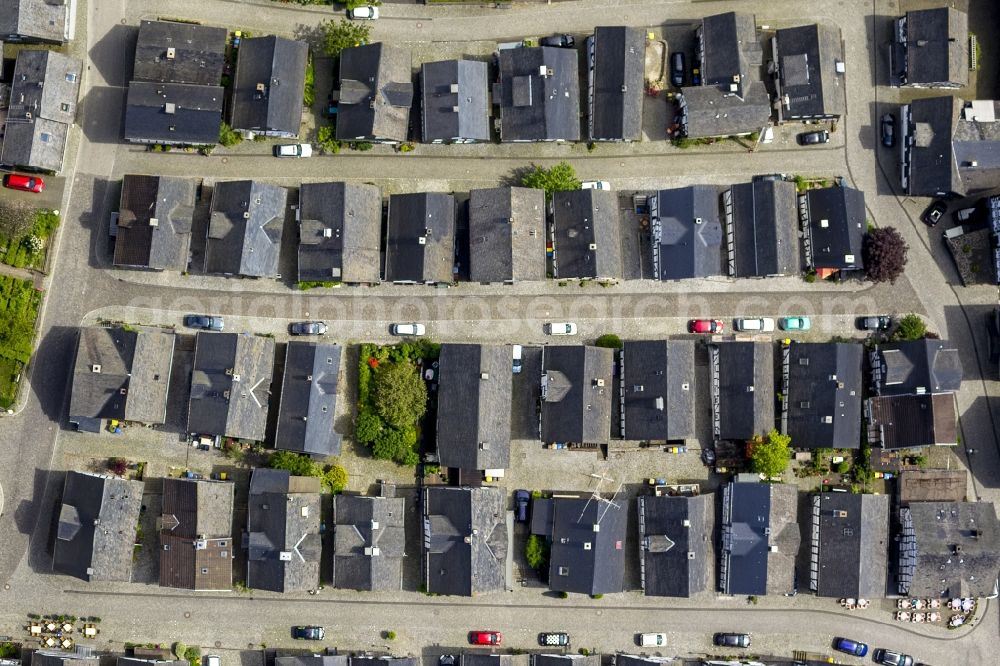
956,621
51,626
933,617
918,603
955,604
89,630
35,629
934,603
967,605
50,642
67,628
863,603
67,644
919,617
903,616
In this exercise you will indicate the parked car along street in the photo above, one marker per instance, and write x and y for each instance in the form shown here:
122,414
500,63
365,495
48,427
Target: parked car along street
794,323
364,13
16,181
934,212
553,638
407,329
732,640
561,41
888,130
706,326
204,322
293,150
846,645
308,633
561,328
307,328
813,138
891,658
875,323
485,637
654,639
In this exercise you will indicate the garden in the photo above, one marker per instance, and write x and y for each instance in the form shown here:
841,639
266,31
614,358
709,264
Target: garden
19,303
24,234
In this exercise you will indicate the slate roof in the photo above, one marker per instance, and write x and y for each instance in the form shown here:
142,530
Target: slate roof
376,92
587,543
565,660
834,222
756,517
708,111
849,545
616,78
420,238
196,524
975,145
537,107
484,659
729,47
35,20
915,367
267,88
507,233
151,661
43,98
120,374
455,101
60,658
948,549
658,391
308,403
96,528
474,405
933,485
230,385
577,392
586,227
154,222
340,229
369,542
637,660
244,232
822,405
465,540
312,660
687,233
169,51
675,544
173,113
742,388
807,58
931,48
904,421
383,660
926,126
284,545
762,229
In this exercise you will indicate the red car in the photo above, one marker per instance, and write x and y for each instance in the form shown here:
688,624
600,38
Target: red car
27,183
485,637
706,326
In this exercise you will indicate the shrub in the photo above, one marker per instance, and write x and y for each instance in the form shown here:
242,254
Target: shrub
229,137
559,178
180,649
609,340
297,464
362,146
843,467
400,394
326,137
910,327
390,635
536,552
367,427
335,479
117,466
309,91
406,147
884,253
769,454
343,34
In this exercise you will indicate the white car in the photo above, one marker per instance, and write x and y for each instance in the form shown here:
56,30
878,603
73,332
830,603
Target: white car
516,367
652,640
211,660
762,324
293,150
364,13
595,185
561,328
407,329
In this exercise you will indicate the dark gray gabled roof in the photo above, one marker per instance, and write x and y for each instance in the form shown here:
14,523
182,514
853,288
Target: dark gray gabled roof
834,220
121,374
742,388
420,238
376,92
587,550
759,538
384,660
586,228
283,531
807,58
730,49
484,659
675,544
926,128
621,659
616,81
539,94
42,108
474,403
60,658
564,660
849,545
762,229
658,391
506,234
312,660
154,222
577,390
934,47
976,145
267,88
169,51
230,385
96,528
465,540
708,111
369,543
35,20
948,549
916,367
687,233
308,403
823,395
174,113
455,96
244,232
340,229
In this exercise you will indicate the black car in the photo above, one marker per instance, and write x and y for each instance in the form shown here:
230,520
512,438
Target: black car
814,138
677,68
708,456
875,323
888,130
447,660
307,328
521,500
561,41
732,640
549,638
934,213
308,633
204,322
891,658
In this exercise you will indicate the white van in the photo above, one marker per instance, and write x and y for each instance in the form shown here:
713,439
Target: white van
762,324
516,368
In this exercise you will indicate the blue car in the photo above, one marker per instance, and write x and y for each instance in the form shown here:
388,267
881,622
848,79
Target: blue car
850,647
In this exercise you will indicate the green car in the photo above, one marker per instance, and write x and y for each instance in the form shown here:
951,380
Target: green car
794,323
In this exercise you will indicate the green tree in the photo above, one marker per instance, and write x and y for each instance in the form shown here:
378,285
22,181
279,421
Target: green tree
229,137
297,464
536,551
609,340
396,445
884,252
400,395
367,427
910,327
335,479
180,649
560,178
769,454
343,34
326,137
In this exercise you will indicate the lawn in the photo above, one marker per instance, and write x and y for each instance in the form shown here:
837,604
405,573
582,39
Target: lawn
28,251
19,304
